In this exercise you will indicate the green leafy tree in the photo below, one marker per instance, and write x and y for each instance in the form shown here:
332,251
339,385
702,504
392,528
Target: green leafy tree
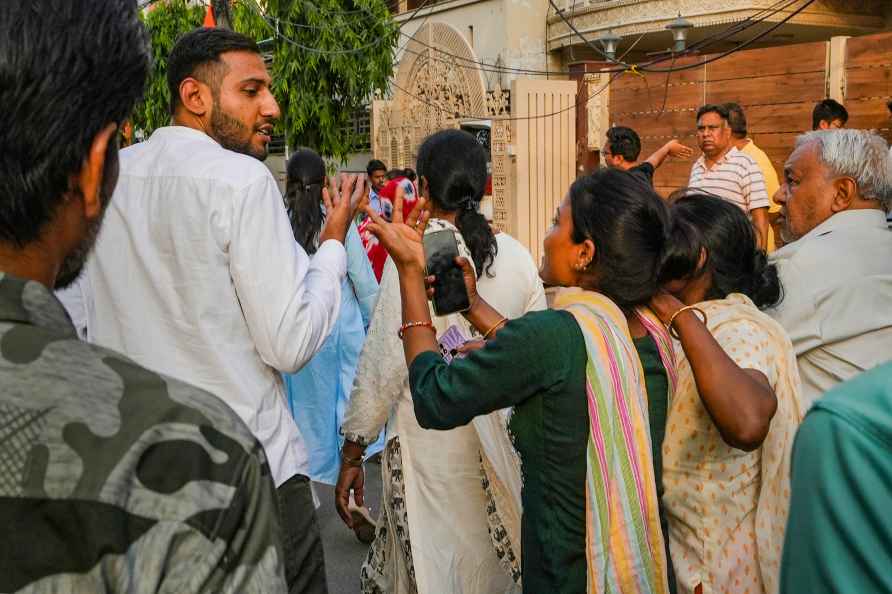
330,57
165,23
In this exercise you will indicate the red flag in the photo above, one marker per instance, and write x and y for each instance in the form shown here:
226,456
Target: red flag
209,20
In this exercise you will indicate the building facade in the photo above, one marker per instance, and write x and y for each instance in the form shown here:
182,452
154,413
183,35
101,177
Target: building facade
540,95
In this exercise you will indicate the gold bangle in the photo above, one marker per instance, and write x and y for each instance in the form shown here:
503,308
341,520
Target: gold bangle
495,327
671,325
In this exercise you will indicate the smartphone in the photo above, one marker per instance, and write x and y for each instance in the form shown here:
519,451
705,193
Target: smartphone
450,294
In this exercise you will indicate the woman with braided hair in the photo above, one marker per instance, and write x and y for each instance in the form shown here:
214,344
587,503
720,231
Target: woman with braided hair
318,394
445,492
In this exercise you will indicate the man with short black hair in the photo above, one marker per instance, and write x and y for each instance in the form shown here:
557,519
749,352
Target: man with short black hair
829,114
113,478
623,147
740,139
198,274
725,171
377,172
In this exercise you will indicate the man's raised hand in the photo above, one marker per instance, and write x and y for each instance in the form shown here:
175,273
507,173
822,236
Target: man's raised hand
341,199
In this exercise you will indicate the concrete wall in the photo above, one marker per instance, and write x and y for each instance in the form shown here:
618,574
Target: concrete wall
355,162
506,32
276,164
525,34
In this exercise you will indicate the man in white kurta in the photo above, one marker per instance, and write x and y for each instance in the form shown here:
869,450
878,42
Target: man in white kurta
837,274
197,274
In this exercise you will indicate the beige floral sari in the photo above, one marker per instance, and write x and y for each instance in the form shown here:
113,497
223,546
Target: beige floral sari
728,508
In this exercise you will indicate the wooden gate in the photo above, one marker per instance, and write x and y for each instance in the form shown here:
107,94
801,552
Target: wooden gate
543,123
868,82
777,88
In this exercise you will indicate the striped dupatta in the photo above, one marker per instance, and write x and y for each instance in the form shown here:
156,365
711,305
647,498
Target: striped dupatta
658,332
625,551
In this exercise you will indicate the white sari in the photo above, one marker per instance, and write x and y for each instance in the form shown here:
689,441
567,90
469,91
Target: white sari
447,545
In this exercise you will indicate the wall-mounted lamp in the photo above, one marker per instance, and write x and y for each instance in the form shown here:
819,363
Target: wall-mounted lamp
609,41
680,28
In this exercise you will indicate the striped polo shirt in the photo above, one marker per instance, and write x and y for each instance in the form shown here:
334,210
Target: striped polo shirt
736,177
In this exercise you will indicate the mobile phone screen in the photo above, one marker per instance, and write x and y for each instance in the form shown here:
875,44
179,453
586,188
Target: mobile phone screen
440,251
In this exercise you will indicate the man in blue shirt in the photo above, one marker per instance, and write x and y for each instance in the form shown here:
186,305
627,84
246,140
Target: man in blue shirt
377,171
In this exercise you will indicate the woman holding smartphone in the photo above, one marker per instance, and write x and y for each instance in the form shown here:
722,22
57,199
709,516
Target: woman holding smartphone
572,374
433,536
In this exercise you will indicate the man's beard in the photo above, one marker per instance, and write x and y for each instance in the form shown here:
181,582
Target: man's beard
230,133
73,264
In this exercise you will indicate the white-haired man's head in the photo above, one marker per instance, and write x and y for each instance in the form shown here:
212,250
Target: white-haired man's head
831,171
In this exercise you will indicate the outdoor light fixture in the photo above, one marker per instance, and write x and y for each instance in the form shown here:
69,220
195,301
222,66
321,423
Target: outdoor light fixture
680,28
609,41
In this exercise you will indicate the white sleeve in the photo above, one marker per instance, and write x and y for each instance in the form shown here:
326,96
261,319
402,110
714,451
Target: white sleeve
381,373
797,311
290,303
77,299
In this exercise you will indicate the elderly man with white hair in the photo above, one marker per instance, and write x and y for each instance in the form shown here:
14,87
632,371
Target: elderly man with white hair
837,267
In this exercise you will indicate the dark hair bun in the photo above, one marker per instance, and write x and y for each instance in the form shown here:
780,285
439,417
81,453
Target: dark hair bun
629,224
704,221
303,196
766,287
454,165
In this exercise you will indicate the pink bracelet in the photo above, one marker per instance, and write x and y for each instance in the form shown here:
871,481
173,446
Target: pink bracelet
408,325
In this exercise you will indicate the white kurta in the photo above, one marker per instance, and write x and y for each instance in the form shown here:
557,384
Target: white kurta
196,275
837,304
444,499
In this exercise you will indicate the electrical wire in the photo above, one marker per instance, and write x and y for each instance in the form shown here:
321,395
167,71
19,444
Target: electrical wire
468,63
646,67
614,72
252,5
740,26
459,115
738,48
719,36
573,28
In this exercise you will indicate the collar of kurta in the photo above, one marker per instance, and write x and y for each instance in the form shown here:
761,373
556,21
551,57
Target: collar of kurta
182,131
29,302
865,218
862,218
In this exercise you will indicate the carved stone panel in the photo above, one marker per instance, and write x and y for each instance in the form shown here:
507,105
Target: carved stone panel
597,110
434,90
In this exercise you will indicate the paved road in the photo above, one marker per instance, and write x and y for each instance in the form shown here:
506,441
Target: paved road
343,553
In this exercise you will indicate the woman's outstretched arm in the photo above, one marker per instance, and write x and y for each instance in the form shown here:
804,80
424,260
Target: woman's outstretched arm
740,401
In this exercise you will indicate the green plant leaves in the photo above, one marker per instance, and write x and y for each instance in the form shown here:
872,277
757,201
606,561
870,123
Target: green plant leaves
318,89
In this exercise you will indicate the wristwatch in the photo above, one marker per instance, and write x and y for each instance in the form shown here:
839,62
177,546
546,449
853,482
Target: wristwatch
354,462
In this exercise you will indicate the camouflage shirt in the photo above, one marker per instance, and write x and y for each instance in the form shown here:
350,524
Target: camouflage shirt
114,478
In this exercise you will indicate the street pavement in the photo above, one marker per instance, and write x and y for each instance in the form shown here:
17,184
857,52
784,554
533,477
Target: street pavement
343,553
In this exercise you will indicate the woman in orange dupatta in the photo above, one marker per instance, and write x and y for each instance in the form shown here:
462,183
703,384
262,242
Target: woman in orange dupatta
734,414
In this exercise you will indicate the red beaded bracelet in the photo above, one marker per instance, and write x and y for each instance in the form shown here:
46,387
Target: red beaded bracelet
408,325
